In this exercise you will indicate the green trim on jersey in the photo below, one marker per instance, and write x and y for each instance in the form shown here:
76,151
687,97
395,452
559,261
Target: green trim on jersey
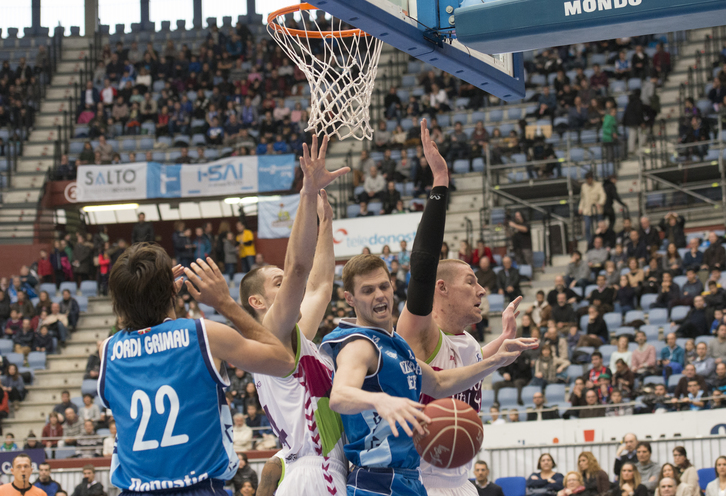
282,472
330,425
436,350
297,352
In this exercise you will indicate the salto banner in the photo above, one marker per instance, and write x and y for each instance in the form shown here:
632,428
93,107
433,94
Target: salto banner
350,236
146,180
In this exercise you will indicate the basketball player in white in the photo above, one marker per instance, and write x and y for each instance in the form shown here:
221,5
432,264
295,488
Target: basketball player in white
444,298
297,405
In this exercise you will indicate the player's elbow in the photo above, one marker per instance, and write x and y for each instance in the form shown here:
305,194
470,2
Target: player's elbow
336,401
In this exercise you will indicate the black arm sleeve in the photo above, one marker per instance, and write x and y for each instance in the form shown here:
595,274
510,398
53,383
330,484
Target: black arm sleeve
425,253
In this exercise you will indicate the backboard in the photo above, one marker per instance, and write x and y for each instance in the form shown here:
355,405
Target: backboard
426,29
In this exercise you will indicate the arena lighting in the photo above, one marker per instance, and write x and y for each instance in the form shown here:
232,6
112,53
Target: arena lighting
106,208
248,200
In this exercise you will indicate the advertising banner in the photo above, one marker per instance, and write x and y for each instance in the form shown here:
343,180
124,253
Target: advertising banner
275,216
352,235
146,180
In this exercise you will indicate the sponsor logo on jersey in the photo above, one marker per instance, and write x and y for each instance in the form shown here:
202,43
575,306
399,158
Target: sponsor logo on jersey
392,354
155,485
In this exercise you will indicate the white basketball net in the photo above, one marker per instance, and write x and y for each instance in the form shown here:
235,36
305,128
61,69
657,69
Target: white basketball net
341,72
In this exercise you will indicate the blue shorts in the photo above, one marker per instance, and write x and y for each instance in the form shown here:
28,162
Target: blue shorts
385,481
210,487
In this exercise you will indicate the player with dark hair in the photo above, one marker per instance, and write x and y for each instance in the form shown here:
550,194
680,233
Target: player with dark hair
292,305
378,380
164,378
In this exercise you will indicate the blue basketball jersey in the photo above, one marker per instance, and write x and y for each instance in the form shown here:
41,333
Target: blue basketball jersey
370,441
167,397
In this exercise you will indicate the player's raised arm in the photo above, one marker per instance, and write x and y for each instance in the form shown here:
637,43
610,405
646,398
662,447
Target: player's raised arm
357,360
416,324
261,351
440,384
320,283
284,312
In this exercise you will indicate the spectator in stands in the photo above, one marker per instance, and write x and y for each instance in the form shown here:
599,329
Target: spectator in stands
241,433
481,481
244,474
661,62
592,200
88,444
704,363
640,62
363,210
577,116
560,287
672,226
689,373
9,444
110,440
647,468
717,93
578,271
609,134
717,347
715,256
89,486
604,230
573,484
597,369
65,404
594,478
684,467
517,374
603,296
53,429
618,409
508,280
718,380
485,275
540,310
562,313
718,485
521,239
422,177
512,416
643,360
546,481
389,198
373,186
263,438
695,323
625,454
23,339
693,399
72,428
90,410
541,411
45,482
630,481
622,68
672,357
143,231
649,234
14,385
624,378
669,471
596,333
549,369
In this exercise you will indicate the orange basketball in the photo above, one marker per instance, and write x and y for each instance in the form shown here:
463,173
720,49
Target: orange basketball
454,436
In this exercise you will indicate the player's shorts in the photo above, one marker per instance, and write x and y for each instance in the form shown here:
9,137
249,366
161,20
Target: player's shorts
313,476
210,487
466,489
385,482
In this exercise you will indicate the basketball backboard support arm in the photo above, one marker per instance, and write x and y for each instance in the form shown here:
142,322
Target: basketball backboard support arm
501,26
383,20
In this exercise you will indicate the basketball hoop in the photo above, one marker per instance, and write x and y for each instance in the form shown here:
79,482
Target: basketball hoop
340,66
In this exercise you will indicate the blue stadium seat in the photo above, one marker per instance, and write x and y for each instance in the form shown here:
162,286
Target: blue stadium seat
487,398
477,165
705,339
646,300
525,271
607,350
512,486
538,259
573,372
461,166
654,379
679,312
36,360
207,309
16,359
589,289
706,475
70,286
89,386
555,393
634,315
507,398
61,453
613,320
6,346
528,393
82,303
496,302
49,287
673,381
634,84
218,318
630,331
651,332
89,288
496,116
577,290
658,316
237,278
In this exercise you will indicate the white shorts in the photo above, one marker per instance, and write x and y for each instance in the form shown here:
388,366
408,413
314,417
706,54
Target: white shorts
313,476
466,489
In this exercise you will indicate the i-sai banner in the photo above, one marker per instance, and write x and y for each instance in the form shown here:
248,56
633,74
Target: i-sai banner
350,236
275,215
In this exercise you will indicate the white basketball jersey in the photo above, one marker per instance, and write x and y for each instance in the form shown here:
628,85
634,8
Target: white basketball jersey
298,406
452,351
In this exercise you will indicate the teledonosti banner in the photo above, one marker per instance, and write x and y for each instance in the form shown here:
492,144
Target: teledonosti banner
352,235
146,180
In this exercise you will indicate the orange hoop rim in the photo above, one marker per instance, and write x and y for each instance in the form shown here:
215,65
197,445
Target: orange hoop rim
271,22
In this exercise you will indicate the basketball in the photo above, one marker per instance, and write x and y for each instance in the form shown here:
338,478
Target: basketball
454,436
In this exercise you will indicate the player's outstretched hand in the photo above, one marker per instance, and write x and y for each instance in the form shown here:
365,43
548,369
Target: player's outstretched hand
403,412
509,318
177,272
439,169
312,163
325,211
206,283
510,349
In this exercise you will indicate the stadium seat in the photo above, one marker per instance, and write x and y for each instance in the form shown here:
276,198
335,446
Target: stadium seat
49,287
477,164
589,289
538,259
673,381
234,292
630,331
512,486
651,332
78,401
555,393
507,398
679,312
89,386
654,379
89,288
634,315
584,321
461,166
6,346
61,453
103,432
528,394
82,303
658,317
705,475
705,339
607,350
646,300
525,271
207,309
496,302
15,358
613,320
681,280
70,286
573,372
36,360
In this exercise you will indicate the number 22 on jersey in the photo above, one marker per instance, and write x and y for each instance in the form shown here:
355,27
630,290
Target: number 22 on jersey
168,438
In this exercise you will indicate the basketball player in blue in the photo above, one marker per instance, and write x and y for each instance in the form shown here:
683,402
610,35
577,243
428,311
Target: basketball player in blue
164,379
378,380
